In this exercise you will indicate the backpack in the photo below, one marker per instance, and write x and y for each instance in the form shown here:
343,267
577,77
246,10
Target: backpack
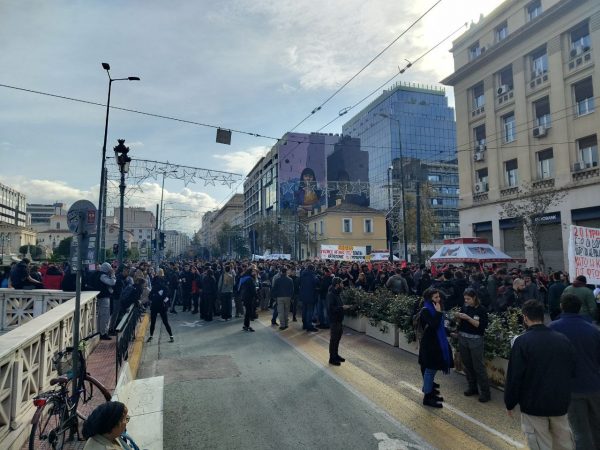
418,327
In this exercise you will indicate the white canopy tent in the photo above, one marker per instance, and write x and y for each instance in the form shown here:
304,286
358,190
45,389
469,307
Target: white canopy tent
471,250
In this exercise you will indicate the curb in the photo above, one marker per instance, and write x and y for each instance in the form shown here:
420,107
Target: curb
136,351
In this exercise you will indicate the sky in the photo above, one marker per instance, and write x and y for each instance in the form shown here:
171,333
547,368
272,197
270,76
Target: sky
259,66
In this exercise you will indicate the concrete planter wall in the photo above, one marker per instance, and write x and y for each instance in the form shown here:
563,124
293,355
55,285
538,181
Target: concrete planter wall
403,343
497,369
389,337
357,323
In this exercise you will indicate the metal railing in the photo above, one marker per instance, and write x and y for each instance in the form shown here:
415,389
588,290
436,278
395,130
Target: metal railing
126,335
26,359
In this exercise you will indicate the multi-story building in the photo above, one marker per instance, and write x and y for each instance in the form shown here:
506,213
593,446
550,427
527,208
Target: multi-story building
12,207
405,122
56,231
205,233
344,224
176,243
524,81
228,214
138,230
41,214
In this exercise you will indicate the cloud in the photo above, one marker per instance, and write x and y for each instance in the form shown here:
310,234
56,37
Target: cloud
50,191
242,161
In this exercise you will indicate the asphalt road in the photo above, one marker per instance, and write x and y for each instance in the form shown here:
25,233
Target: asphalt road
227,389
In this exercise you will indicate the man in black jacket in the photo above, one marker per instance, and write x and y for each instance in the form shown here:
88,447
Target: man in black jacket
283,291
540,369
336,317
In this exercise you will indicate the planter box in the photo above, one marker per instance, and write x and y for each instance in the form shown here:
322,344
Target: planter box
389,337
413,347
497,369
357,323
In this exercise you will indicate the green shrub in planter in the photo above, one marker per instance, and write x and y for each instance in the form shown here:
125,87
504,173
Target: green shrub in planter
359,299
401,313
502,328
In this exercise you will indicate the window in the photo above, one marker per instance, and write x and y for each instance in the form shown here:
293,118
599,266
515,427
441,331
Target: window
580,39
501,32
541,110
479,135
583,92
474,51
539,62
534,9
482,176
588,150
347,225
505,80
510,131
478,96
433,178
58,225
320,227
368,225
545,164
511,173
315,228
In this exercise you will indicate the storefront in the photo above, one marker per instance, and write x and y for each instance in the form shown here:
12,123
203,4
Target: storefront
586,217
550,239
512,237
484,230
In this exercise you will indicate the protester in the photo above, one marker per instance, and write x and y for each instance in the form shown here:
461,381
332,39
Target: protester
308,292
540,370
554,293
159,302
473,321
586,295
225,288
20,278
282,292
584,409
248,295
434,350
336,310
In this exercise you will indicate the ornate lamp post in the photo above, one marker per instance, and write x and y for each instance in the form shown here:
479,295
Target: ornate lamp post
123,161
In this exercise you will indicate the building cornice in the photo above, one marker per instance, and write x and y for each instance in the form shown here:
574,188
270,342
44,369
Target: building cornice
520,35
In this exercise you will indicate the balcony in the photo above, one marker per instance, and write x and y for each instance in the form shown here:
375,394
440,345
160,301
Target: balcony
579,58
539,79
583,171
508,191
543,183
505,94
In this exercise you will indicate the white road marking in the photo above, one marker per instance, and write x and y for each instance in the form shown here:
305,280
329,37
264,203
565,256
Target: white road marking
191,324
465,416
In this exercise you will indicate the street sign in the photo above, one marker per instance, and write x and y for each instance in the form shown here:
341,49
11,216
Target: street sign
81,217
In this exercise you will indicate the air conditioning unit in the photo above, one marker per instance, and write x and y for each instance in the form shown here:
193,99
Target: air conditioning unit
540,131
579,165
481,187
503,89
479,156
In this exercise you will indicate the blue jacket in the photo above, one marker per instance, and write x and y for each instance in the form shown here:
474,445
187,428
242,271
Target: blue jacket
308,286
585,337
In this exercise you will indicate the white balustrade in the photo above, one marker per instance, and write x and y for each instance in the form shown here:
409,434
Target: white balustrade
26,352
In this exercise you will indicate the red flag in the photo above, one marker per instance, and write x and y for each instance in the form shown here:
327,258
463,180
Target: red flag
434,271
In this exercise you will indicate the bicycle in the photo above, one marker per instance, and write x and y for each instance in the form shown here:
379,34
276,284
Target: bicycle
59,411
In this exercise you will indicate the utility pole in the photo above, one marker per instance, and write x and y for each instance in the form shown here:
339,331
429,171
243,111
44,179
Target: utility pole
418,196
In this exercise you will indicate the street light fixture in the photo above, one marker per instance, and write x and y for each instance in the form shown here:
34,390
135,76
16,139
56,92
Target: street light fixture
101,213
404,236
123,161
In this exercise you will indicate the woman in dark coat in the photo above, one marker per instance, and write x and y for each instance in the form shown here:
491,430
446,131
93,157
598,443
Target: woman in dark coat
434,349
159,302
209,295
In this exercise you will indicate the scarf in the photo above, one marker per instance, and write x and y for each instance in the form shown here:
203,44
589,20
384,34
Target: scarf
441,337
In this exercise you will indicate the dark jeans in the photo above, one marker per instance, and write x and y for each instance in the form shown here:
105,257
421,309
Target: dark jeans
307,315
206,308
226,305
195,300
187,299
239,306
294,306
336,329
163,316
584,417
471,354
322,311
249,313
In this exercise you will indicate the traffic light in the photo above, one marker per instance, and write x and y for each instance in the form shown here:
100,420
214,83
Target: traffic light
115,249
161,241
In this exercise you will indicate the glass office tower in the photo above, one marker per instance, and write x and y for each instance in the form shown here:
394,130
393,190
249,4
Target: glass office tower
407,122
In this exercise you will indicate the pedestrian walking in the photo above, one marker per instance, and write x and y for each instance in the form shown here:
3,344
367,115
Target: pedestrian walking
282,291
584,409
473,320
159,302
247,288
540,370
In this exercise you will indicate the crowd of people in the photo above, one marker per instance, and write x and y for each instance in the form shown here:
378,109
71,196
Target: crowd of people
554,371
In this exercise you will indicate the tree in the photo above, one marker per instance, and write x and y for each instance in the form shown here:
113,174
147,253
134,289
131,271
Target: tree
63,250
35,251
527,207
429,222
231,240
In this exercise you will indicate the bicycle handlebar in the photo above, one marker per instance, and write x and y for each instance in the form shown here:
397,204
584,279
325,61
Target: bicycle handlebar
70,348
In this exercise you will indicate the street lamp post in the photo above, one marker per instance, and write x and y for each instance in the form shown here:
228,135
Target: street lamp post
123,161
388,216
101,212
404,235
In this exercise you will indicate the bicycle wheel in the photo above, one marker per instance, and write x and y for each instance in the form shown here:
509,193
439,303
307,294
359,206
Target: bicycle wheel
93,393
48,426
